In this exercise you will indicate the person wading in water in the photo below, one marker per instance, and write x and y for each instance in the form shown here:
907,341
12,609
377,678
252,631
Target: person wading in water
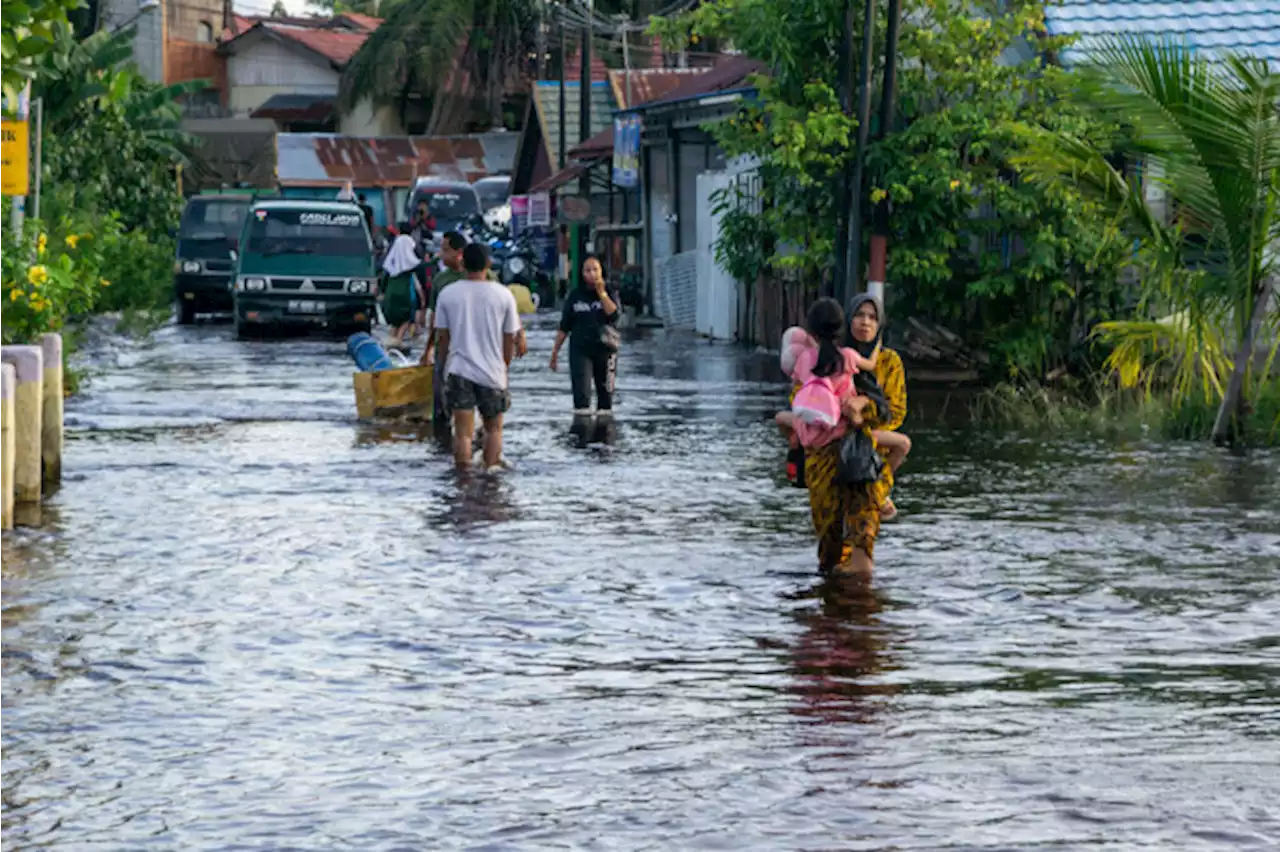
589,323
478,328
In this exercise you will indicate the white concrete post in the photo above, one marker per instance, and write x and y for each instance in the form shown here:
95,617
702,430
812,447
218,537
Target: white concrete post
8,378
28,367
51,414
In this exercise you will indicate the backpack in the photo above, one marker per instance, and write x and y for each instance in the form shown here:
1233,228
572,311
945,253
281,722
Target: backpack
817,402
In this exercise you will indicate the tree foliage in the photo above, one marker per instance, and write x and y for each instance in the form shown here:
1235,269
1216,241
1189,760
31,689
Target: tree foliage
1021,269
112,137
28,30
1211,135
462,56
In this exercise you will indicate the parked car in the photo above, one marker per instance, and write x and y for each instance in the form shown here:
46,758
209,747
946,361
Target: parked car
494,191
207,233
305,262
454,205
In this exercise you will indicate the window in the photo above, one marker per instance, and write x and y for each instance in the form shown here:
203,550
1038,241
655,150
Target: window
204,32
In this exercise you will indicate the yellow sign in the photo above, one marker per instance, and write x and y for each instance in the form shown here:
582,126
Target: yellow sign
15,170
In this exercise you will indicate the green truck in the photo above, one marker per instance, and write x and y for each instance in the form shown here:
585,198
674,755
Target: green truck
207,235
304,262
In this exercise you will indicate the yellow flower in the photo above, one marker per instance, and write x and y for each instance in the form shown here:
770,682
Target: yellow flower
104,282
878,195
955,184
15,295
72,239
41,242
37,275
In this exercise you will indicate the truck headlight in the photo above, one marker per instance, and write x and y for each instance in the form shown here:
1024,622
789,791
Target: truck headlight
191,266
357,285
253,285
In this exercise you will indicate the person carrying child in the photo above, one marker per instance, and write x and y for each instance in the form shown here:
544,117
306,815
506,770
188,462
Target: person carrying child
811,423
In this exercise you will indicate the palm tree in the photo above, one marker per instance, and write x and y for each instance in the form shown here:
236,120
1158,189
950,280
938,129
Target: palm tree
1210,133
454,53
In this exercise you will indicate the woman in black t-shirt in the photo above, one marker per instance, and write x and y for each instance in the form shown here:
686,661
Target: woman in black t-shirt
589,323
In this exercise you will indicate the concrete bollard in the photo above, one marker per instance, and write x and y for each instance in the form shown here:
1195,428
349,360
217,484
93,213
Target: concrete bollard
51,413
28,401
8,378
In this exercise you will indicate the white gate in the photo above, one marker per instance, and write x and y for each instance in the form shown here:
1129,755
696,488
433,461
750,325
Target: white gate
677,295
717,290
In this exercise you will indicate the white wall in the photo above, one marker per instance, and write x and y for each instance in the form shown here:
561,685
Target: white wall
265,67
367,120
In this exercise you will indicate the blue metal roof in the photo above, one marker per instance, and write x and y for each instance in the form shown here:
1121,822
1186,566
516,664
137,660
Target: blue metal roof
1243,26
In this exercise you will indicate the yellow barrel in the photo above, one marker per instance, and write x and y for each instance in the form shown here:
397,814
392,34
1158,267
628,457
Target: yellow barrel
524,299
403,393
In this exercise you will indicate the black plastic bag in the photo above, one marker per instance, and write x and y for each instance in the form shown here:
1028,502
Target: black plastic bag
860,464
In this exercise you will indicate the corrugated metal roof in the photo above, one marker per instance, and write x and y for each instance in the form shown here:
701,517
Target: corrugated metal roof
730,74
319,158
603,107
1244,26
649,84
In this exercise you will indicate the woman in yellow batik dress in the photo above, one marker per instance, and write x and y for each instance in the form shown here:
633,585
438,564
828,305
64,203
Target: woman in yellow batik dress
846,518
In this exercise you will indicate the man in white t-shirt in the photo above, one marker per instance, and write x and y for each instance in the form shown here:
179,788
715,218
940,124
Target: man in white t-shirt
477,326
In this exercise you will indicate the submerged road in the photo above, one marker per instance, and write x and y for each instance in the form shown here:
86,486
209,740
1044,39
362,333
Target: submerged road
251,623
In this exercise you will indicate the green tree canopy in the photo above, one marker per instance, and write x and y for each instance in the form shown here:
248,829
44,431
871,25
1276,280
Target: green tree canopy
1016,268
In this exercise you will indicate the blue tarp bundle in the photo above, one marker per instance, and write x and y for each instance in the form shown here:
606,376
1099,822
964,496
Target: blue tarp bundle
368,353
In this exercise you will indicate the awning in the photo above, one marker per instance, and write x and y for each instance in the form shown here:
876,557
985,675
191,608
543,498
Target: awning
567,174
291,107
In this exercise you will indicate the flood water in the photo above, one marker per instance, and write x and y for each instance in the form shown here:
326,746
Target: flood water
251,623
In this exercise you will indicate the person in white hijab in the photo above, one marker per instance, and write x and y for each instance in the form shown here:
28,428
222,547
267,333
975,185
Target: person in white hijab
402,294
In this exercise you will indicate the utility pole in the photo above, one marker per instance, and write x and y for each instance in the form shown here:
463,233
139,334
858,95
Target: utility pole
540,43
854,263
844,89
584,129
564,57
880,229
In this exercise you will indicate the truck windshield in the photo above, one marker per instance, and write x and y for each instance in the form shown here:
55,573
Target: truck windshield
449,206
325,232
210,228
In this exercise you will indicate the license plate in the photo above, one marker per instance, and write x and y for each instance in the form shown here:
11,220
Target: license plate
305,307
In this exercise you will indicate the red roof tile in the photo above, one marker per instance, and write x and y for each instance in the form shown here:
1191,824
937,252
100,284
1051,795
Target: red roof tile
335,45
368,23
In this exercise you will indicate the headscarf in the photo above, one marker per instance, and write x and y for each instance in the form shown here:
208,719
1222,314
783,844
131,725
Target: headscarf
865,349
401,258
864,382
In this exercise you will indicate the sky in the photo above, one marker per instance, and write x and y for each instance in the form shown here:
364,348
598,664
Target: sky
262,7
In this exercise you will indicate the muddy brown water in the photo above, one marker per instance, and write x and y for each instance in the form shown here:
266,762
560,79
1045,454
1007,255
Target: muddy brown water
249,622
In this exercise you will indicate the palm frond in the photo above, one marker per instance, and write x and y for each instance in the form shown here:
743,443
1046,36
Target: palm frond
415,50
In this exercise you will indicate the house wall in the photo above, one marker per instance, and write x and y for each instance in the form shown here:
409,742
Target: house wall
187,16
267,68
149,39
367,120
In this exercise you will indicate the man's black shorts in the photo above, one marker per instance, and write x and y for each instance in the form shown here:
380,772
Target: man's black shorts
464,394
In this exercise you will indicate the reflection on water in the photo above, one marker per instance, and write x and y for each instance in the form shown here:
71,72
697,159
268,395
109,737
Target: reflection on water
251,622
843,647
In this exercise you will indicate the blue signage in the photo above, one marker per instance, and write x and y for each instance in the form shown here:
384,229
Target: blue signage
626,150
